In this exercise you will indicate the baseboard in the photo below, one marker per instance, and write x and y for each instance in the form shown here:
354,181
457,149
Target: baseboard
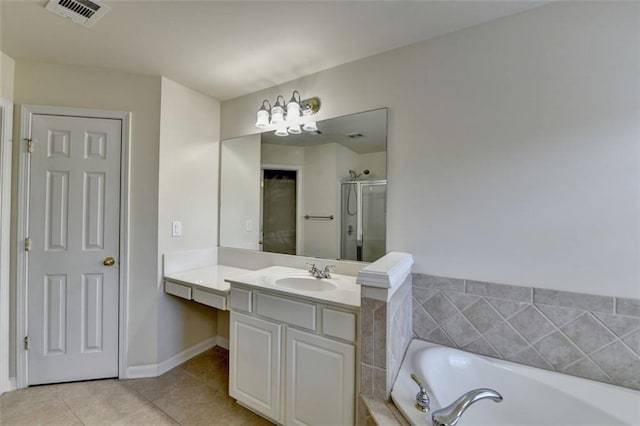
11,385
154,370
141,371
186,355
223,342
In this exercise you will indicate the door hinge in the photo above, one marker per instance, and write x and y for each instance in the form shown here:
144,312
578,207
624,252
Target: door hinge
26,343
29,145
27,244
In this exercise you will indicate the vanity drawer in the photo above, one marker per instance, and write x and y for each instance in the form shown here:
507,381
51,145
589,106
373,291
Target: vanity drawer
286,310
177,290
339,324
210,299
240,299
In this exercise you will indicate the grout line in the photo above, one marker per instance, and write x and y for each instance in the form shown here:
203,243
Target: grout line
72,411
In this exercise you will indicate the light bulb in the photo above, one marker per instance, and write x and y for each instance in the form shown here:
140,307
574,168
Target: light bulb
281,130
311,126
295,129
263,119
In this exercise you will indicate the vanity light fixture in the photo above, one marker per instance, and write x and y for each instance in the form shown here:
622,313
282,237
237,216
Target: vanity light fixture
288,118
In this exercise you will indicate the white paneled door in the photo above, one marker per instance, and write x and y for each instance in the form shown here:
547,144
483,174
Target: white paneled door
73,226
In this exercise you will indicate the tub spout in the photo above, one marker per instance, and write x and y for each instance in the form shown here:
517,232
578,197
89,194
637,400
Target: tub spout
449,416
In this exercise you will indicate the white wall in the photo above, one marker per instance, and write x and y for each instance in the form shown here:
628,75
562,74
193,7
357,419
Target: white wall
187,189
282,155
375,162
513,146
319,186
7,71
240,192
72,86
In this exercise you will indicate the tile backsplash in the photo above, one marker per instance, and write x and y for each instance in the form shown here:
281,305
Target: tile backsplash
594,337
386,334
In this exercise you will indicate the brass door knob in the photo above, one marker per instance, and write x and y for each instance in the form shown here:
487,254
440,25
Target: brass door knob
109,261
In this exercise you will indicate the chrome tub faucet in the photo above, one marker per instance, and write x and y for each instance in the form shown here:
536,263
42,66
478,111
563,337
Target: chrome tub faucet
449,416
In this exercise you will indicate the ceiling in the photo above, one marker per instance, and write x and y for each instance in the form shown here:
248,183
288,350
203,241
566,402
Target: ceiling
228,49
371,125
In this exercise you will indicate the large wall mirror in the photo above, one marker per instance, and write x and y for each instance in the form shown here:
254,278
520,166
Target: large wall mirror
320,194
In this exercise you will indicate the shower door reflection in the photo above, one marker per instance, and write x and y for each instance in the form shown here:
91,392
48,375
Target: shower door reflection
363,220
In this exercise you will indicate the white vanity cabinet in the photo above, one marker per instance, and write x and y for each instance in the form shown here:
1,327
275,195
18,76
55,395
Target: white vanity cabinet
254,364
292,359
319,380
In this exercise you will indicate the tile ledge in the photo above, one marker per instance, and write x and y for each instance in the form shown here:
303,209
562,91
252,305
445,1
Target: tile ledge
389,271
383,413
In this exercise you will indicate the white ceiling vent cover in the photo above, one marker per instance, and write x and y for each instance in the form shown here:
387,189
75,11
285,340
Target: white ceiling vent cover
83,12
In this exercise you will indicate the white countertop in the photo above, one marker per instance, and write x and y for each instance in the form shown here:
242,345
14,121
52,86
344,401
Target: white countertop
346,291
210,278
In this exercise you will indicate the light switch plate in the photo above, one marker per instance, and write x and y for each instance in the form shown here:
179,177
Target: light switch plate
248,225
176,228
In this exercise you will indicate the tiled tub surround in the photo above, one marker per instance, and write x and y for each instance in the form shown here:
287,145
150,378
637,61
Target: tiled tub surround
594,337
386,334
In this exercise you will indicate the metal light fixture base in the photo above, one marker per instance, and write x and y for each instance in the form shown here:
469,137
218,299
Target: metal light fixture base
310,106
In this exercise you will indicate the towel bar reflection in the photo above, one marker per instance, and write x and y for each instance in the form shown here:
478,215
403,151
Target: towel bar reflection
309,217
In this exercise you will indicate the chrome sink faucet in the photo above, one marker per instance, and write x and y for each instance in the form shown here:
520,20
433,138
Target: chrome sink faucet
449,416
320,273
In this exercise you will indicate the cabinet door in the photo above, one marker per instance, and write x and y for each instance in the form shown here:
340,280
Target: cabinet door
254,364
320,380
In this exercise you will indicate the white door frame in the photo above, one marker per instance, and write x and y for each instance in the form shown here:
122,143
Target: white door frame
299,224
6,124
22,230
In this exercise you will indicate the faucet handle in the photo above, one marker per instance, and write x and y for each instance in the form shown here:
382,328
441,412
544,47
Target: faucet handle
422,398
326,272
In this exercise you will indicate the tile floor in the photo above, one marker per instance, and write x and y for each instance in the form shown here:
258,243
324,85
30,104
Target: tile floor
195,393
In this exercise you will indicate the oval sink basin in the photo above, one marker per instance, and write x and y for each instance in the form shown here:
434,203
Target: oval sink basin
305,284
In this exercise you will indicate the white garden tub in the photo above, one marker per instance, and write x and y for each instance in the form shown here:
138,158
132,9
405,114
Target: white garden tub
531,396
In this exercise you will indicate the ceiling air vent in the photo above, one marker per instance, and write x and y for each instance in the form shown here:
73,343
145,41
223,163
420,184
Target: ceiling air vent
83,12
355,135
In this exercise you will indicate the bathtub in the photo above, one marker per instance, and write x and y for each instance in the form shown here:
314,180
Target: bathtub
532,396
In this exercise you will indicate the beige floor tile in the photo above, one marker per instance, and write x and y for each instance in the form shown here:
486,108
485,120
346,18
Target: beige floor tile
111,408
82,394
33,412
215,375
182,403
147,415
195,393
67,419
156,387
34,393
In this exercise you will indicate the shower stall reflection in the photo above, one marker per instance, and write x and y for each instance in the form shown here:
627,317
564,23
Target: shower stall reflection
363,220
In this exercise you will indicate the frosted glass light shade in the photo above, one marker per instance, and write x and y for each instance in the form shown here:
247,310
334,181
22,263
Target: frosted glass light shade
295,129
262,121
277,115
293,112
281,130
310,126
